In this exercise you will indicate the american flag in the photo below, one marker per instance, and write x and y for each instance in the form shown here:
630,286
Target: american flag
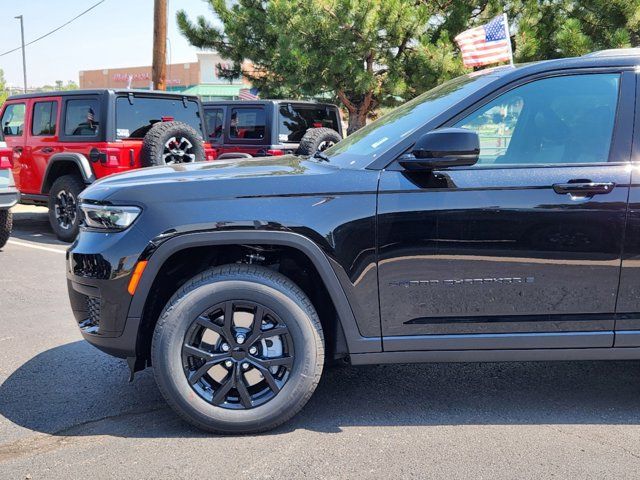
486,44
248,94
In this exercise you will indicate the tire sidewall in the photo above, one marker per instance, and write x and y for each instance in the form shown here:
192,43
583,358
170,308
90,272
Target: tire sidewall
154,141
5,226
167,356
314,137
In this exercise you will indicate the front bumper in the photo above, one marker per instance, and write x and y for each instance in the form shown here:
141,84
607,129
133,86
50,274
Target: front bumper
97,285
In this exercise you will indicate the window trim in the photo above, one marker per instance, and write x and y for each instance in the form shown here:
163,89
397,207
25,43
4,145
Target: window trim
33,117
24,123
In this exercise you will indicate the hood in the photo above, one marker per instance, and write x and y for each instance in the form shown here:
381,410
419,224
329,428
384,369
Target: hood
283,175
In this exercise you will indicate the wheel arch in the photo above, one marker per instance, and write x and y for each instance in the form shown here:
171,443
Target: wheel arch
65,164
346,325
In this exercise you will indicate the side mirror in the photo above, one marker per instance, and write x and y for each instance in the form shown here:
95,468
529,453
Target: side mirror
443,148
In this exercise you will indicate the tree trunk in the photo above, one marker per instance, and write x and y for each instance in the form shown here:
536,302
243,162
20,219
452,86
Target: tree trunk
357,119
159,67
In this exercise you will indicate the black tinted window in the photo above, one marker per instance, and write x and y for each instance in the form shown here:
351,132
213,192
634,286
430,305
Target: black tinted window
566,119
247,123
45,115
135,120
82,117
295,120
13,120
214,120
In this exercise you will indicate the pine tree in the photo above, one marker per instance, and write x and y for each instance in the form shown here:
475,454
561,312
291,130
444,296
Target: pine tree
367,53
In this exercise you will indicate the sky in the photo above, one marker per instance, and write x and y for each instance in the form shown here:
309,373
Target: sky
117,33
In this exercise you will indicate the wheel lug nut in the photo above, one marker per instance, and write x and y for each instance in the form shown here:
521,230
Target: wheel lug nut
228,364
245,366
225,347
240,339
253,350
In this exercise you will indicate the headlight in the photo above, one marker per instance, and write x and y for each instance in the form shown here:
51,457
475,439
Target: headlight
109,217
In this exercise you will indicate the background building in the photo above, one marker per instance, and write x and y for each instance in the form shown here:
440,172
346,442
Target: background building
200,78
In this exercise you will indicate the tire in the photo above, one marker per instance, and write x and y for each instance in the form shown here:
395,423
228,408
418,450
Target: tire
159,149
303,344
317,139
6,223
63,207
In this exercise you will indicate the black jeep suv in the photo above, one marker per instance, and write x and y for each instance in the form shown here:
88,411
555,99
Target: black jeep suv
495,217
266,128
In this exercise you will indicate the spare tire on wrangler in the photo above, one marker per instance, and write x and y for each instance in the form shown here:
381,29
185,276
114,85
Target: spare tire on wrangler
317,139
169,143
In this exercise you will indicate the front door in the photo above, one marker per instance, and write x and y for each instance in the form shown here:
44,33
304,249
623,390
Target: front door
523,249
13,124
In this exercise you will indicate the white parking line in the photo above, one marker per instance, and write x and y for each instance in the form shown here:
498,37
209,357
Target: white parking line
37,247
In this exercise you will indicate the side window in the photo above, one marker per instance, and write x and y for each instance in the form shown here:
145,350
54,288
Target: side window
247,123
82,118
45,115
214,120
13,120
557,120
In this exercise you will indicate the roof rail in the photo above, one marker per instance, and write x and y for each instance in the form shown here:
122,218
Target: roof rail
615,52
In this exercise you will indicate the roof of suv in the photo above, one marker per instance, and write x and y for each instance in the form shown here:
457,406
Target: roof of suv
100,91
265,102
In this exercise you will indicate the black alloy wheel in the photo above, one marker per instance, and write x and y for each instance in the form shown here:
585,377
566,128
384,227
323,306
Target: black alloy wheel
63,206
238,349
243,367
65,209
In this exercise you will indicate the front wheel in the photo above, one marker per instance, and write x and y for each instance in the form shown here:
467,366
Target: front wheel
63,207
238,349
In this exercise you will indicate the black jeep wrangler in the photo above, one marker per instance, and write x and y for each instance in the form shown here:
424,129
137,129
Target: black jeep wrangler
267,128
495,217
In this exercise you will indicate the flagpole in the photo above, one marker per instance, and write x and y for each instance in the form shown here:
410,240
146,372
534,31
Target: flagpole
506,28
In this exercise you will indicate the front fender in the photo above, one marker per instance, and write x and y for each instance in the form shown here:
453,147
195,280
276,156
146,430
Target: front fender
355,341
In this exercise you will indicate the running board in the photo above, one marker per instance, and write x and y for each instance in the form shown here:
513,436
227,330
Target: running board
539,355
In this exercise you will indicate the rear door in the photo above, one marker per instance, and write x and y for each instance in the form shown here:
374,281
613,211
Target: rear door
523,249
42,134
214,126
248,129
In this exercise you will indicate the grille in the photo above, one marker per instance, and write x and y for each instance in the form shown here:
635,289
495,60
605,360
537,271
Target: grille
91,266
93,312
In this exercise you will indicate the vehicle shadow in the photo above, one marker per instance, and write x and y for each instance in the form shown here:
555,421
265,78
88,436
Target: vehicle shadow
32,224
73,390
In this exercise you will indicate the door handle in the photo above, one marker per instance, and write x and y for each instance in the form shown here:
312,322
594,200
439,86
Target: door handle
584,189
47,150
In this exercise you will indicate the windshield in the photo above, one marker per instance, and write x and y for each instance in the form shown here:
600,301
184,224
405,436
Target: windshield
135,119
371,141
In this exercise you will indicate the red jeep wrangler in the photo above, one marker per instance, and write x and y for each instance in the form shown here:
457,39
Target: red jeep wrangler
63,141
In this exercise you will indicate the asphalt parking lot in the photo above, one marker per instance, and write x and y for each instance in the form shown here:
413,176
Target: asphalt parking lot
67,411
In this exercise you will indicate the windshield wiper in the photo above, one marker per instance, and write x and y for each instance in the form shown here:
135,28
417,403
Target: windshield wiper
321,156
